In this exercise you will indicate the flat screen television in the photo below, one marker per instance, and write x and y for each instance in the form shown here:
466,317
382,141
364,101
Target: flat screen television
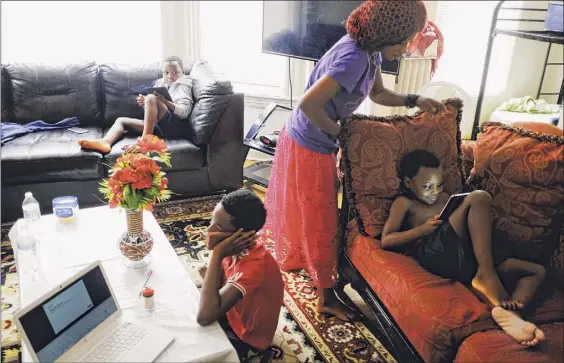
307,29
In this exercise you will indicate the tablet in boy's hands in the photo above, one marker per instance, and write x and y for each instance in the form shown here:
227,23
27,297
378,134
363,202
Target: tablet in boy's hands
453,202
160,90
145,90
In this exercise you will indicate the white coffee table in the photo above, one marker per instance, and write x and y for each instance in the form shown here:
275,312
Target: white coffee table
93,236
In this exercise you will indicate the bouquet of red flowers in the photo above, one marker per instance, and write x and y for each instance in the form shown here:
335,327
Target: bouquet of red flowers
136,181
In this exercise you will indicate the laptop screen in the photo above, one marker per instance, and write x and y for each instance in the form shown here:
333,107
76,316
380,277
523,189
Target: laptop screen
68,316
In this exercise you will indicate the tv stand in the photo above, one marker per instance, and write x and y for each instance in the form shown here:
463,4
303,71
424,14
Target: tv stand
256,171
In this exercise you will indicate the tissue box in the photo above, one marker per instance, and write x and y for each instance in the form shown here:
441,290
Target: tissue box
555,17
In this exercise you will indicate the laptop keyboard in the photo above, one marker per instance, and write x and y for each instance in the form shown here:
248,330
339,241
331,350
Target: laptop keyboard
122,340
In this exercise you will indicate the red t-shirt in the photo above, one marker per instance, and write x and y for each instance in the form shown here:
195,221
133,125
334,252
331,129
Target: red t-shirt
256,274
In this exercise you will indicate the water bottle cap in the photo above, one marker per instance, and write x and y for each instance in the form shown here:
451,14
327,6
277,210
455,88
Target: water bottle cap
28,195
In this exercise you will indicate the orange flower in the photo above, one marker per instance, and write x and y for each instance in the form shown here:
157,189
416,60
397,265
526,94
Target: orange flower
150,143
139,171
143,181
146,165
164,183
113,203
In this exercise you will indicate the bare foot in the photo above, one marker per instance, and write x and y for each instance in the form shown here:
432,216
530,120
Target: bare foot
511,304
337,309
100,145
130,148
522,331
490,285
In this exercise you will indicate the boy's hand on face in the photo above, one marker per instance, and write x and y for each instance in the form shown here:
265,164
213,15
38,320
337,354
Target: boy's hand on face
236,243
140,100
430,226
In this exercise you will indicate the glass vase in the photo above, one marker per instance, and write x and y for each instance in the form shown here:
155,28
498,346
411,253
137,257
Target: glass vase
135,244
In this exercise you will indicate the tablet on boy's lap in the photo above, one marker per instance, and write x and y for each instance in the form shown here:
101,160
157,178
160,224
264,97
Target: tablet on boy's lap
145,90
453,202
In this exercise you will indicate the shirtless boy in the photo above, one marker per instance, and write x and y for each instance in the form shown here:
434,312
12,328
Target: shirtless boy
459,248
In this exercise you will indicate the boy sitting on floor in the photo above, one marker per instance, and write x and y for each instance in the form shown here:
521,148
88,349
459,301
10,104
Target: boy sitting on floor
253,292
461,247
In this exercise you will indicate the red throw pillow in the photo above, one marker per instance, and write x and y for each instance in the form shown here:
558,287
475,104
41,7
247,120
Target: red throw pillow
523,171
373,146
540,127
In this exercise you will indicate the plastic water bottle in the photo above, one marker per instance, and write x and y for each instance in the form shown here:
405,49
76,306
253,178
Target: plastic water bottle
26,253
30,207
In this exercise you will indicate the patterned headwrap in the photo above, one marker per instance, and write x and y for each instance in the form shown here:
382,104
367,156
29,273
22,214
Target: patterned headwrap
378,23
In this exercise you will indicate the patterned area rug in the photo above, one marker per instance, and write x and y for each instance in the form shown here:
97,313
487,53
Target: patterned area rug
302,335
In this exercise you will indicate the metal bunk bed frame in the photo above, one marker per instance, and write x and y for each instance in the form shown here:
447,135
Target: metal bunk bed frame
538,35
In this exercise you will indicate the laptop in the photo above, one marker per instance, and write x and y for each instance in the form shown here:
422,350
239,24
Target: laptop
80,321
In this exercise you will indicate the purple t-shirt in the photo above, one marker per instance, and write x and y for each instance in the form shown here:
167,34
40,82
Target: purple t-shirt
354,69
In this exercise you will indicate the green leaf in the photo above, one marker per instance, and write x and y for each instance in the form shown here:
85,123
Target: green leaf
130,197
164,159
152,192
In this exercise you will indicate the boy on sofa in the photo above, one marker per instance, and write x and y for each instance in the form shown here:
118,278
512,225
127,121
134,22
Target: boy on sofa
253,292
170,116
461,247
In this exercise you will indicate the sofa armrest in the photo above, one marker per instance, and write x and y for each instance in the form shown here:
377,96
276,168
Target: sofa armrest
225,151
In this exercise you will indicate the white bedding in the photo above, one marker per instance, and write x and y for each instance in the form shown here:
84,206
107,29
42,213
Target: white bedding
508,117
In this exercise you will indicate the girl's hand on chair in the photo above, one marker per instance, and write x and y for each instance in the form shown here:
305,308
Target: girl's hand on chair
338,165
429,105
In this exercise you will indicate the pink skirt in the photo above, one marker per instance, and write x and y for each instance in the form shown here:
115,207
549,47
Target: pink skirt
301,203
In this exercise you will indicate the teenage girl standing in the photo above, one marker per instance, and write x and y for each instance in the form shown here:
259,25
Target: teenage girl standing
302,196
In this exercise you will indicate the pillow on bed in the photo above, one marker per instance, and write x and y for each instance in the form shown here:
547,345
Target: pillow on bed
523,171
373,146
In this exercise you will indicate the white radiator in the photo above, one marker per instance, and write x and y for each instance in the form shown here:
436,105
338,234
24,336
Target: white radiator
415,73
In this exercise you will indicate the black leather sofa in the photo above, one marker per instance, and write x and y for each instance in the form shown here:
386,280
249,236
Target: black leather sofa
51,163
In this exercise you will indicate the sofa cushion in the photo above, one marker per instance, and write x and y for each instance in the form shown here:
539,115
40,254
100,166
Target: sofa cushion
183,154
496,346
524,173
373,146
50,156
54,92
116,82
212,93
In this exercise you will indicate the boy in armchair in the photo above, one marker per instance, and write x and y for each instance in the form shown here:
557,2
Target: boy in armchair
460,247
